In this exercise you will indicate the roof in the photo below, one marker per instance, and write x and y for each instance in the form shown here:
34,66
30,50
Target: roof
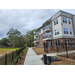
48,21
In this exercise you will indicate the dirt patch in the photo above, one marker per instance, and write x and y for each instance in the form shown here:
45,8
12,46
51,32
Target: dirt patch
39,51
71,55
64,61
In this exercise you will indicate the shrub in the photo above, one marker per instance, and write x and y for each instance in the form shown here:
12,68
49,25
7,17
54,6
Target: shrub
9,62
14,62
25,45
19,56
22,53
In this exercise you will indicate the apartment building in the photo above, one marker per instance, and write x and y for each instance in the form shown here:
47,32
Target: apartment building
59,28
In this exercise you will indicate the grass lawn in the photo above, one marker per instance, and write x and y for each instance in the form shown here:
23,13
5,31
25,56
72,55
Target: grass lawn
64,61
7,50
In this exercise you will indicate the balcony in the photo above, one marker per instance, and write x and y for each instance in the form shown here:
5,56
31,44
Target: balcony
36,34
48,29
36,40
48,37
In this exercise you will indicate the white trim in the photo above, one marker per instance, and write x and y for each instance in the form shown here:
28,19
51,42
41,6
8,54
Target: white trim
47,39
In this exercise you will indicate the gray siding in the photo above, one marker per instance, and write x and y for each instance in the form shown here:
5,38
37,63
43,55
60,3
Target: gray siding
74,24
65,14
56,15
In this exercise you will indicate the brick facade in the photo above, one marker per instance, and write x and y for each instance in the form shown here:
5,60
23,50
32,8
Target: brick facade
41,40
62,40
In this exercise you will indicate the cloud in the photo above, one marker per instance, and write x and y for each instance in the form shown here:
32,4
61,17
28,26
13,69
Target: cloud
24,19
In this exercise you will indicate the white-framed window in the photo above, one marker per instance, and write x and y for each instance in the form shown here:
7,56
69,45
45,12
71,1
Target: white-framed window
43,36
37,38
56,21
57,32
49,33
64,19
36,33
70,31
69,21
72,42
40,37
67,42
65,30
57,42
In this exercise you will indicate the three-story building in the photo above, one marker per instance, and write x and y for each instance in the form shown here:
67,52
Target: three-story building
59,28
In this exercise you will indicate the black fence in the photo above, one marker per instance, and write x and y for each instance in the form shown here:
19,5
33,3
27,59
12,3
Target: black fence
8,58
62,49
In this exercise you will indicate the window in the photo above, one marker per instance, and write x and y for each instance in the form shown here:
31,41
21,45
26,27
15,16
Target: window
49,26
72,43
49,33
69,21
70,31
39,37
46,27
57,42
65,30
57,32
43,36
64,20
55,21
46,34
36,33
40,43
67,42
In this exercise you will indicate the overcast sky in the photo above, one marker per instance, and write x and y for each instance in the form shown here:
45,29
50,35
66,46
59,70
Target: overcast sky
25,19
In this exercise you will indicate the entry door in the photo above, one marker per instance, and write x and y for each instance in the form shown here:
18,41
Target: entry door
49,44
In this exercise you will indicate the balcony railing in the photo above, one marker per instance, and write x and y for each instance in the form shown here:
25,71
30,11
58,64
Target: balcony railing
36,34
36,40
48,36
47,29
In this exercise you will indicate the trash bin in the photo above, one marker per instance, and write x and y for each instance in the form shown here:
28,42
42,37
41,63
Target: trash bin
48,60
45,59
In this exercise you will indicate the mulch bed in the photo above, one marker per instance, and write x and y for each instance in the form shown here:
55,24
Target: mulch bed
64,61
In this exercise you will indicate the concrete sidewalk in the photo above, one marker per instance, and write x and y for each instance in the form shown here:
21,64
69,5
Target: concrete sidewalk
32,58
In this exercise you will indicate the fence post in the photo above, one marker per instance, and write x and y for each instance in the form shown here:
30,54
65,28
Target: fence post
44,46
57,50
6,59
66,50
12,56
47,46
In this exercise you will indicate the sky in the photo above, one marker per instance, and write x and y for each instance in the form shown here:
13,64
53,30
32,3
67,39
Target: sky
25,19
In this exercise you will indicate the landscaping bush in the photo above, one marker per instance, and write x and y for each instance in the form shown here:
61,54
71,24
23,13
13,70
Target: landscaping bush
29,45
25,45
32,44
22,53
14,62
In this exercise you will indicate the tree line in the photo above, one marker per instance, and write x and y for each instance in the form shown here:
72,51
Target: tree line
16,39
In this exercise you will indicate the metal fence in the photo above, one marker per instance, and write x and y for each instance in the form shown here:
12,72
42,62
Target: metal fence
8,58
62,49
